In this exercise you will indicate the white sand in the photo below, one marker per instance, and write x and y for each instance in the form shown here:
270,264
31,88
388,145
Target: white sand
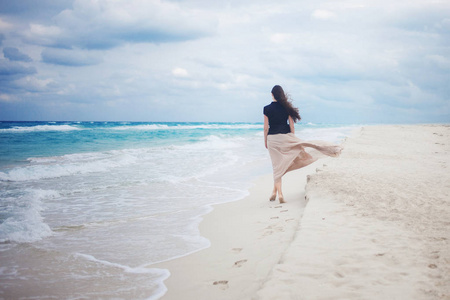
376,226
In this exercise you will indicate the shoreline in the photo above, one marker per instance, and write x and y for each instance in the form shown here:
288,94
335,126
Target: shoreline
247,239
374,226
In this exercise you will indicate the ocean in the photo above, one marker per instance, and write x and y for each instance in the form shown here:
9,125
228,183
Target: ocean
86,208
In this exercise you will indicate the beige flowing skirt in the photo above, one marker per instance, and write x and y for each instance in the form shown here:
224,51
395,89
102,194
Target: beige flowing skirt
288,152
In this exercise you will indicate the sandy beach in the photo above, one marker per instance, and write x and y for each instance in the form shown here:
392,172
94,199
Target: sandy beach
371,224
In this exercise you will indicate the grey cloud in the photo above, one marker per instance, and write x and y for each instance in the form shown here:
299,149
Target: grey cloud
107,38
15,55
34,10
11,70
73,58
95,26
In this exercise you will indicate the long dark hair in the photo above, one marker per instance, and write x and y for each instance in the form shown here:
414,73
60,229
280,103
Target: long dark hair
280,96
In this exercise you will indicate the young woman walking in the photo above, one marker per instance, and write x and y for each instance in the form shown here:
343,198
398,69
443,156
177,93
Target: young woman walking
286,150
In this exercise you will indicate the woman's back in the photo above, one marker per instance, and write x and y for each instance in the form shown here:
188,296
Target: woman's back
278,118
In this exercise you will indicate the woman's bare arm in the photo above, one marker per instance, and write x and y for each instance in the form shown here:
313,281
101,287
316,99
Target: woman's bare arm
266,129
291,124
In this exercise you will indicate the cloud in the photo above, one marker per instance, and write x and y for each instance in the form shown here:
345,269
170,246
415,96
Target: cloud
31,9
5,25
15,55
180,72
10,73
342,61
5,98
323,14
279,38
33,84
10,70
105,24
72,58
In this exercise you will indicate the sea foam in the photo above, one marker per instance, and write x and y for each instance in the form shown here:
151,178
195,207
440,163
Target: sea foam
39,128
185,126
23,222
68,165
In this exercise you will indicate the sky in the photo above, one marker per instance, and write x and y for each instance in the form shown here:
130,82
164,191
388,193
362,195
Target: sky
341,61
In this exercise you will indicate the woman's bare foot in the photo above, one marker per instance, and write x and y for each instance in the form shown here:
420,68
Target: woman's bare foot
273,197
281,198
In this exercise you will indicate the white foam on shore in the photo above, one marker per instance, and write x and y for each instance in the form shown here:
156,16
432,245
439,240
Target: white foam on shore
101,162
128,269
67,165
24,223
39,128
161,274
186,127
141,127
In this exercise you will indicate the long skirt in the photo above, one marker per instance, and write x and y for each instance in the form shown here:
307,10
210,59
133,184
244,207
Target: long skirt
288,152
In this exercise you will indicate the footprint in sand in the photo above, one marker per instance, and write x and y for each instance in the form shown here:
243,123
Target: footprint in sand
284,210
236,250
267,233
275,217
222,284
240,263
269,230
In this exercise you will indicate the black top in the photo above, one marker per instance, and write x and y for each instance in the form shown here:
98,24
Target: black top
278,117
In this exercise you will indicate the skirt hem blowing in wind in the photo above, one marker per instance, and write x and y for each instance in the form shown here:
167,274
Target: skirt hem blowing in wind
288,152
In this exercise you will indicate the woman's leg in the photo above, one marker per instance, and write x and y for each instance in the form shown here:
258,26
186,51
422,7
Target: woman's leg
277,189
274,194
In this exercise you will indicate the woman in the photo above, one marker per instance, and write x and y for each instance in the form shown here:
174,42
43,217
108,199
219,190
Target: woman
287,152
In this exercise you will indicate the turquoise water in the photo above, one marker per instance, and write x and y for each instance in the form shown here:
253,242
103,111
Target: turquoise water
100,202
21,140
